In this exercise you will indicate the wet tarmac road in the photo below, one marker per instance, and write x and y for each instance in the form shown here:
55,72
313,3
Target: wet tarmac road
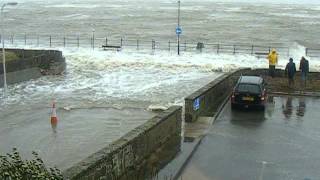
79,132
281,142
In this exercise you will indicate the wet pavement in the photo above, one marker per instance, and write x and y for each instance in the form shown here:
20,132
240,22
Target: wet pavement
78,133
281,142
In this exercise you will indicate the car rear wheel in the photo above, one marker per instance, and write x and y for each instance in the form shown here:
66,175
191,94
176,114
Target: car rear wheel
262,108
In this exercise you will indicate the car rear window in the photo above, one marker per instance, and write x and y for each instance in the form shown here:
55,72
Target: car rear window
252,88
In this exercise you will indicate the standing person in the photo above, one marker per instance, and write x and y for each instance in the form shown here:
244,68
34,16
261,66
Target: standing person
304,69
273,61
290,71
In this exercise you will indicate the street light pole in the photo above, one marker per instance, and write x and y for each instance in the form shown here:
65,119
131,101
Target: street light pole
179,27
3,49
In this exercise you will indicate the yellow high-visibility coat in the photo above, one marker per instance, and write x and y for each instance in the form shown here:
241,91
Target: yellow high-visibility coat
273,58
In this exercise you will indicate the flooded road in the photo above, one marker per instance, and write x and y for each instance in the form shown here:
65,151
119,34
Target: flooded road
281,143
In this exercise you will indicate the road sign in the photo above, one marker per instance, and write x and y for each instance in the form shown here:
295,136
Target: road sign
178,30
196,104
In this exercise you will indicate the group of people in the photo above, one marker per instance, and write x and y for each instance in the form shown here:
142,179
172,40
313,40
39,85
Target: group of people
290,69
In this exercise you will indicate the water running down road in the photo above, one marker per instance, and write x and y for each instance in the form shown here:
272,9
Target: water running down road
280,143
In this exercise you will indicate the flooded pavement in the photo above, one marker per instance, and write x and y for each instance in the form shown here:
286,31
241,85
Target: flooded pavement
281,142
79,132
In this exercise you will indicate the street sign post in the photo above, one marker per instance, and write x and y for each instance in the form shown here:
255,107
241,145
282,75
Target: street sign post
178,30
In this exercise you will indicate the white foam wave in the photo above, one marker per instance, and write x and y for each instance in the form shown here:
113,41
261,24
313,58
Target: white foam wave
160,78
85,6
296,15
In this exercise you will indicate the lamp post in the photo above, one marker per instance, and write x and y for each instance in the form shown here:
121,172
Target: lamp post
178,33
3,50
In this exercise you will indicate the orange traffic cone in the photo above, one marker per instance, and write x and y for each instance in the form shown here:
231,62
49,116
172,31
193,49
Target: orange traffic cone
54,119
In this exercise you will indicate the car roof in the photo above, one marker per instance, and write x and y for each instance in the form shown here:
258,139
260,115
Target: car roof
250,79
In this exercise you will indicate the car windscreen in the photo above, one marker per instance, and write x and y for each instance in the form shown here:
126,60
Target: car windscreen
251,88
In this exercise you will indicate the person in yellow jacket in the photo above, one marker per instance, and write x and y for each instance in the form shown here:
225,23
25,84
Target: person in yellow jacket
273,61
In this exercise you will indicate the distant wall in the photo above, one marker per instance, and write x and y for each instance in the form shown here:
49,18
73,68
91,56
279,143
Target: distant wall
133,155
32,64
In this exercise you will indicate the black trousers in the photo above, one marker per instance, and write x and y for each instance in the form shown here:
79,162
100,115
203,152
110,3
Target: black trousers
272,70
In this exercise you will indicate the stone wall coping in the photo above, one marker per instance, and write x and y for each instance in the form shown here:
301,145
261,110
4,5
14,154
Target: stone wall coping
101,155
212,84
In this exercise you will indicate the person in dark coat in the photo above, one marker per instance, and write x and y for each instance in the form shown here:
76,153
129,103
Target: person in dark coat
304,69
291,71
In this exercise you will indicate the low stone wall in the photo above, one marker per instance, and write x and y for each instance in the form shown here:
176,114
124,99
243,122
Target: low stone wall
31,63
137,153
205,101
22,75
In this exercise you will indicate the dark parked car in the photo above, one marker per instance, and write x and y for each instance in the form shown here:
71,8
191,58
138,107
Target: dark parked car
249,92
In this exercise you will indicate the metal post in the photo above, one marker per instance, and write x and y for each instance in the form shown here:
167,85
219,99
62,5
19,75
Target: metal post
50,40
3,56
3,49
185,45
38,40
169,45
64,41
137,44
178,26
218,47
252,50
306,51
25,39
78,40
93,39
153,44
106,41
121,42
234,49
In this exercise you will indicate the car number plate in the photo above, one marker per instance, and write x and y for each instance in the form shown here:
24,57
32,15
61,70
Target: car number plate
248,98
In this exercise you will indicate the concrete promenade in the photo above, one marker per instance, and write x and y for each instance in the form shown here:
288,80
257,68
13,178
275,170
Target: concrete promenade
280,143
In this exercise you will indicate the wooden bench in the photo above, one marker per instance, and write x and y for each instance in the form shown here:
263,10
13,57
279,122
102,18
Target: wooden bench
110,47
261,54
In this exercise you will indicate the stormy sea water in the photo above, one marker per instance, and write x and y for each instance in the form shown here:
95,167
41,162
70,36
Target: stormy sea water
102,88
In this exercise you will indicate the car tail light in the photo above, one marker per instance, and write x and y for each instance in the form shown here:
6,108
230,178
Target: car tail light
232,96
263,95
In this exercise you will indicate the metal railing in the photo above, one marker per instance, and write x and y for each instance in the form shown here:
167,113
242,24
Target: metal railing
77,41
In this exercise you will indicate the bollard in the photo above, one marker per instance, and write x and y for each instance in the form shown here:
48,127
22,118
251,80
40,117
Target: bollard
200,46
